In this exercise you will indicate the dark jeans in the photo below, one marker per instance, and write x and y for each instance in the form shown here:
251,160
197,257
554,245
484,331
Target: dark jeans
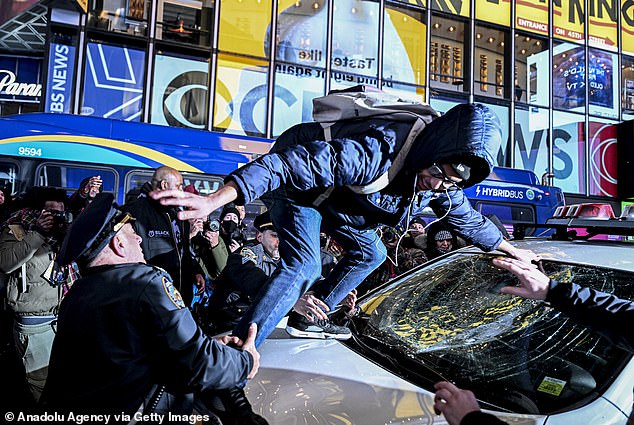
298,229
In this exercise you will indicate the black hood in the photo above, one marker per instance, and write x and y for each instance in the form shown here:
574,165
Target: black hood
468,133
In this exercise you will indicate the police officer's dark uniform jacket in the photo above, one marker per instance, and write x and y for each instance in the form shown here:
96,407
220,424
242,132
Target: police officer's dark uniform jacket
161,246
245,273
123,330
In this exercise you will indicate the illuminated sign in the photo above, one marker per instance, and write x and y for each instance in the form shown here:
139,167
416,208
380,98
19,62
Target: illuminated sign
9,86
59,87
20,78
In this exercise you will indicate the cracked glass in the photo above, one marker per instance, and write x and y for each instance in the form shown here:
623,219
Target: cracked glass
450,322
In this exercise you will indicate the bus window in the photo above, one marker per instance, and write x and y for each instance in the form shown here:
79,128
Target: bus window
8,176
69,177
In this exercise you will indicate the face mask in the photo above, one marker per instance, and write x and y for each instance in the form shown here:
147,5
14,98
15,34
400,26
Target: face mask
229,226
323,241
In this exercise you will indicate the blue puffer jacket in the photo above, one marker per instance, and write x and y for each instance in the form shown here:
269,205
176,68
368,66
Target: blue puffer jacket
303,164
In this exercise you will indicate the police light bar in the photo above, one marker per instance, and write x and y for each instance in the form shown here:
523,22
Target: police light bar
627,213
601,211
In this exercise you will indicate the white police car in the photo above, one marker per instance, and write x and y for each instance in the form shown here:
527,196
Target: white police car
446,320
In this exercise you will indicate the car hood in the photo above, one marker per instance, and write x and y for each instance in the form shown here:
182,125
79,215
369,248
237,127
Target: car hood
311,381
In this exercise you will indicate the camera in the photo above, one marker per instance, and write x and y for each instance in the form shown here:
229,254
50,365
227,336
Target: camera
211,225
61,217
237,236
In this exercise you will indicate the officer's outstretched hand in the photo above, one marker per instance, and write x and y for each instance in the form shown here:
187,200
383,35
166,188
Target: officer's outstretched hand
249,345
533,283
453,402
311,307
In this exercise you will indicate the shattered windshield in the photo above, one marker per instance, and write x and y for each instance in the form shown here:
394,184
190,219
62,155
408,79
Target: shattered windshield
449,321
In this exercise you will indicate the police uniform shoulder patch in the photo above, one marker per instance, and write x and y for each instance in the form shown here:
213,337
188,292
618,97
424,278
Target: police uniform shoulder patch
248,255
172,293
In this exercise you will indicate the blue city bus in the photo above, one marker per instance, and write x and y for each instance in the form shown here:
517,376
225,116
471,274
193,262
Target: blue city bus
516,196
61,150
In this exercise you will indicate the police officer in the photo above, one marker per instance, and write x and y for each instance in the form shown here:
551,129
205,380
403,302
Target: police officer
245,273
125,340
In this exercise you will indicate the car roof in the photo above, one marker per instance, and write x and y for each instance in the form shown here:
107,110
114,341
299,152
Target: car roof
602,253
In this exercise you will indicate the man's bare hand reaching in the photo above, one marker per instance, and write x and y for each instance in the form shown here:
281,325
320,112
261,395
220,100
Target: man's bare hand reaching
197,206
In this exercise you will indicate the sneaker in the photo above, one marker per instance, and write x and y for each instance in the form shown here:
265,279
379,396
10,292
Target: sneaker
300,327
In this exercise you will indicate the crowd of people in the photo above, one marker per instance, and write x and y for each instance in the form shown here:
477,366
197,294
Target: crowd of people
171,301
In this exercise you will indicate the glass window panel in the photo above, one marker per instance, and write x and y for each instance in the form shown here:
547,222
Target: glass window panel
405,45
603,158
462,8
244,27
496,12
128,16
569,92
447,54
442,104
301,32
405,91
627,85
532,15
602,19
603,87
355,37
532,79
339,80
295,88
489,62
179,92
185,21
627,26
241,96
531,139
568,20
502,112
568,152
113,82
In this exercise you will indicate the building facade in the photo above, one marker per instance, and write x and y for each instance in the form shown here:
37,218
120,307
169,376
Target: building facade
559,74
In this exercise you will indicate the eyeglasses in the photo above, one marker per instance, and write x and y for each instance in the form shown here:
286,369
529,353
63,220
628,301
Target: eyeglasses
437,172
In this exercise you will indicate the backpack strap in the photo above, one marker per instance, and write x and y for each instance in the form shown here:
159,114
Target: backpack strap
396,166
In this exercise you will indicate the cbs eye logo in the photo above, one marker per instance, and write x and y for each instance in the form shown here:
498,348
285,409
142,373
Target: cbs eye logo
185,100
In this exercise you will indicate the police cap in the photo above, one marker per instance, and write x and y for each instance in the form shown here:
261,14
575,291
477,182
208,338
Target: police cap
263,222
93,229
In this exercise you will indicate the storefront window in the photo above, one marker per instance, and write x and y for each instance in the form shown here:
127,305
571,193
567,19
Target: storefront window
489,62
405,91
113,82
502,112
627,86
569,92
569,21
185,21
241,96
295,89
603,84
127,16
404,45
244,27
531,139
301,32
532,79
447,54
179,92
355,38
568,152
603,158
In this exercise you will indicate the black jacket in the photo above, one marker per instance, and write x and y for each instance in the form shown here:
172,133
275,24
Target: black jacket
162,246
123,329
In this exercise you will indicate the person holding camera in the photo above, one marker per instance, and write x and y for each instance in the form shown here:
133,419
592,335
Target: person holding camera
29,241
88,189
230,223
166,239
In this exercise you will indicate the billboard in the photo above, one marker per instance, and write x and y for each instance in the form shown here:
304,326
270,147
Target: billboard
113,82
569,80
603,159
59,85
179,92
20,79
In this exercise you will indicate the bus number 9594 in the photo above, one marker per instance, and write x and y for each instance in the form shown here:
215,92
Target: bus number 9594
22,151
